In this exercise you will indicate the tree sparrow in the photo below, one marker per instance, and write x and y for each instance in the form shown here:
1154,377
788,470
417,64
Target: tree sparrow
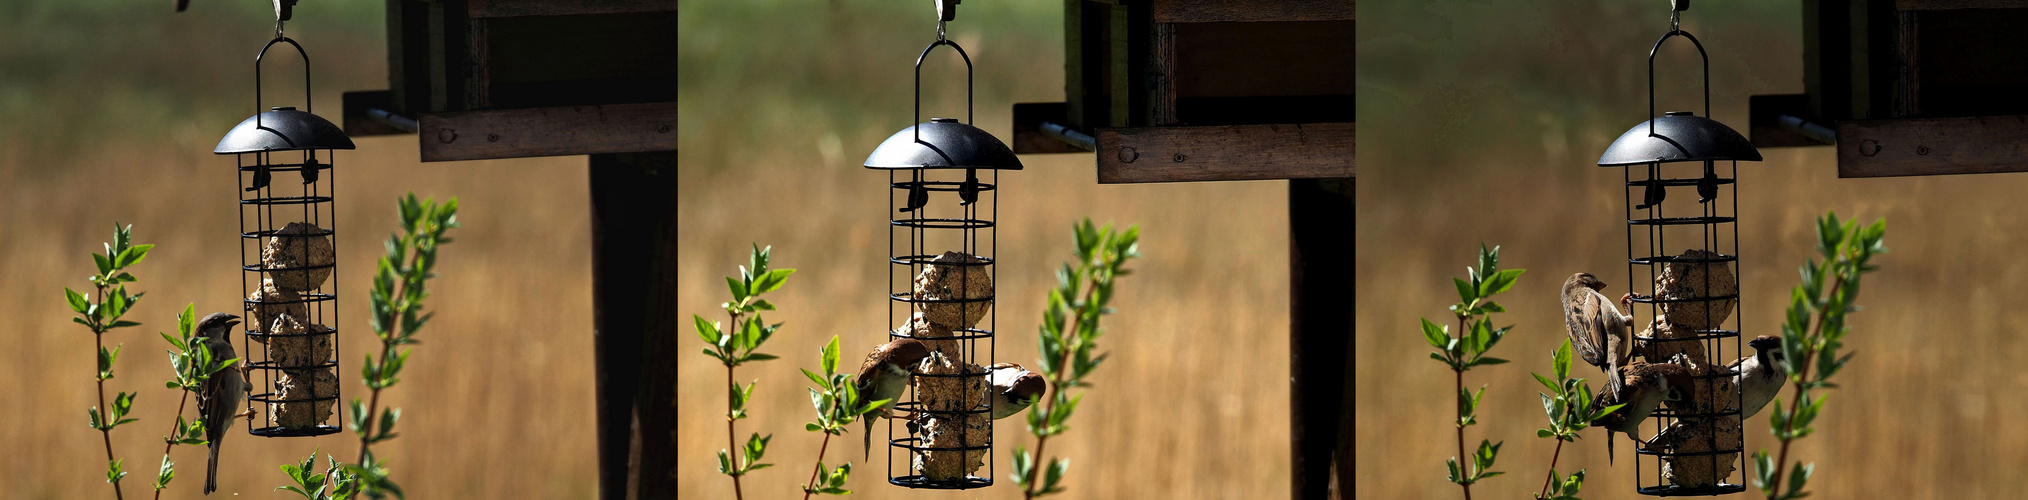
1759,376
218,397
1014,388
885,375
1597,330
1646,386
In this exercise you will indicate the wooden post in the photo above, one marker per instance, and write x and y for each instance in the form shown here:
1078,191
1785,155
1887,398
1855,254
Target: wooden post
634,332
1320,334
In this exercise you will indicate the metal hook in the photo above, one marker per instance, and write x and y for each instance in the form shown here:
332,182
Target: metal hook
940,30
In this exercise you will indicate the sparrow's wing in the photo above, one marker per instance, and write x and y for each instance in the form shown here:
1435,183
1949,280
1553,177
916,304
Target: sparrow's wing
214,399
1606,326
1576,321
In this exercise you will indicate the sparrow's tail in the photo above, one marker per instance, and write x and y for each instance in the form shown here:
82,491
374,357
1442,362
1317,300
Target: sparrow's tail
211,472
1609,447
868,441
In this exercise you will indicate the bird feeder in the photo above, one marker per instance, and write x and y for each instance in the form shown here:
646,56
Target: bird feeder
288,259
1680,259
944,186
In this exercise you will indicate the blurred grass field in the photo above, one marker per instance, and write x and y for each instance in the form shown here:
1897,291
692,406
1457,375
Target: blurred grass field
774,128
109,111
1486,120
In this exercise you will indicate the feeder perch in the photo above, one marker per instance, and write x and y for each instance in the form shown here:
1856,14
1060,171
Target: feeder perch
1681,244
285,161
944,187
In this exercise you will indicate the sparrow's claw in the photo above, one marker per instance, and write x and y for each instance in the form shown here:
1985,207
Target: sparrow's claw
1627,300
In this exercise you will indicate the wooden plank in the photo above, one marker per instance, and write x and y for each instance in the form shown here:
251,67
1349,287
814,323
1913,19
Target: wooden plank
1959,4
1933,146
1225,11
1225,153
481,9
558,131
1162,75
1119,67
1074,88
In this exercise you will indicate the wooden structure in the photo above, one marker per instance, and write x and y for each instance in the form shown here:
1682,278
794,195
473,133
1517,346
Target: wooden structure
482,79
1220,90
1908,87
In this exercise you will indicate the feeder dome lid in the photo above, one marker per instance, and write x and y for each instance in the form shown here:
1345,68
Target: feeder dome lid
1678,136
944,143
282,129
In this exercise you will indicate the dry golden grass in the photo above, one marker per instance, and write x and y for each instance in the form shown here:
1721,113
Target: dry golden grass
1499,149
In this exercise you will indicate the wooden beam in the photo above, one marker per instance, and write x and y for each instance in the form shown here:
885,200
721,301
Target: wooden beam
634,333
1959,4
1320,333
1028,135
1933,146
1225,11
481,9
558,131
1225,153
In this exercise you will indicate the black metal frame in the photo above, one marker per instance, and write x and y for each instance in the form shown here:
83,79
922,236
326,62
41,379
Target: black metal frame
1656,223
316,199
968,224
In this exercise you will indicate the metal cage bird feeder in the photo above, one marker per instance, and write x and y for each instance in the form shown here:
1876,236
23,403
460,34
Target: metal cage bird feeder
941,281
1692,295
288,260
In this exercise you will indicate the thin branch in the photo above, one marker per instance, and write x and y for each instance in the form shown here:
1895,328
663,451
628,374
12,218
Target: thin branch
812,487
1782,462
1062,365
174,432
105,412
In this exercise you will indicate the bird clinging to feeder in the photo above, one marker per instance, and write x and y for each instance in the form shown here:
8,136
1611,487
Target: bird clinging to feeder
1759,376
1596,328
884,375
1014,388
1646,386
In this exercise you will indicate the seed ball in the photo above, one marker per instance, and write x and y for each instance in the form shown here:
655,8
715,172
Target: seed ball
301,385
921,328
950,430
946,278
273,302
299,244
1692,280
306,350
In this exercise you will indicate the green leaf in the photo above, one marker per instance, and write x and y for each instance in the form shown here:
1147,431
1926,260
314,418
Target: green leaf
770,281
77,301
1438,336
830,352
705,329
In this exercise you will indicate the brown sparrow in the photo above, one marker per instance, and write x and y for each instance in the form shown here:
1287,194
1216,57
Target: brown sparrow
218,397
1014,388
1760,376
1597,330
885,375
1645,388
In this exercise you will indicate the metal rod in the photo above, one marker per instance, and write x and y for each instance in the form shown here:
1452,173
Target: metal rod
1069,136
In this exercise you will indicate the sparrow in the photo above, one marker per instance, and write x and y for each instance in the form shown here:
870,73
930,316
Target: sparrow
1759,376
968,193
918,196
1647,385
1655,192
1707,187
218,397
1597,330
1014,388
885,375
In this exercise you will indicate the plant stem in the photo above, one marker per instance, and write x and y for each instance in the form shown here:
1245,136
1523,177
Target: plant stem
813,471
1056,386
1546,479
1464,466
732,451
105,412
174,433
392,320
1782,461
